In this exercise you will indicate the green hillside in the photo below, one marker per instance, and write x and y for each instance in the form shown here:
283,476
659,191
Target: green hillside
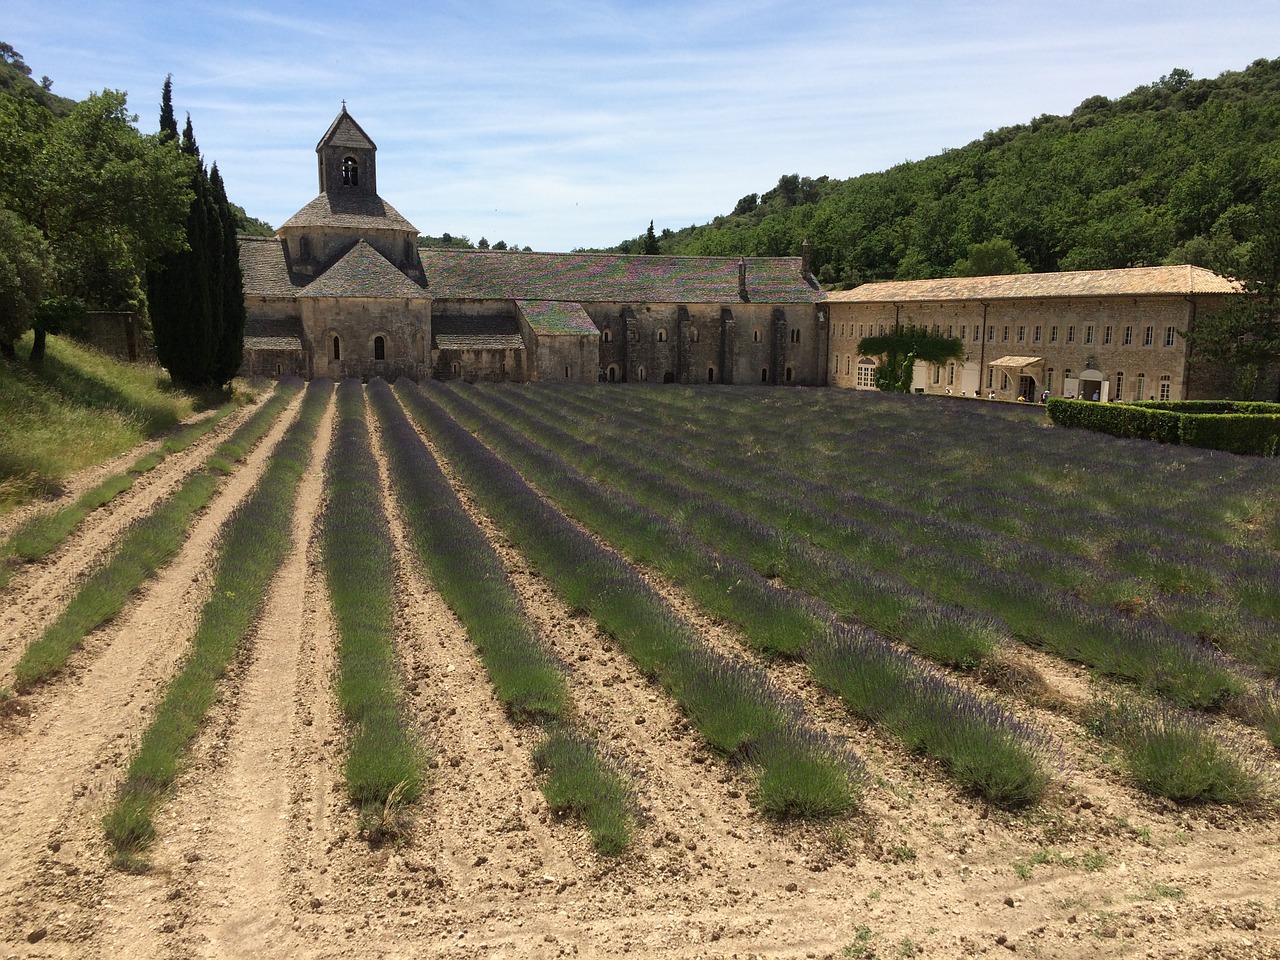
1170,173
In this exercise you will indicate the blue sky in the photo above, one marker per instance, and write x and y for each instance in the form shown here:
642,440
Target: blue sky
558,124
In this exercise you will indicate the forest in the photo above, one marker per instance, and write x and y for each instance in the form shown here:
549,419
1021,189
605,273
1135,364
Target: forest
1176,171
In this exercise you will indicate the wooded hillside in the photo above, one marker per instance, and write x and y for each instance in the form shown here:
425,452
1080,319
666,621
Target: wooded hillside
1170,173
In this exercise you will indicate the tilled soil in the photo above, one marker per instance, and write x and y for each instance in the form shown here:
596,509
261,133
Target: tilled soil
259,853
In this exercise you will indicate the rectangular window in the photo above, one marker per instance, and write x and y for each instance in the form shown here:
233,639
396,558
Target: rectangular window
1088,334
1149,337
1168,336
948,331
1005,338
1165,386
1128,336
1036,333
1071,334
1106,334
866,375
1119,386
990,374
1141,388
1022,334
951,375
937,373
991,334
1048,379
1053,334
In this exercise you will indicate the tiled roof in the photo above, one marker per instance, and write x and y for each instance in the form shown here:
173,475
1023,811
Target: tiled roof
273,327
552,317
345,132
266,272
1178,281
354,211
272,343
613,278
464,341
364,272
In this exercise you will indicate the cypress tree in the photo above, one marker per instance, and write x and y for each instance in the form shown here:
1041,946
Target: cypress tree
168,124
230,351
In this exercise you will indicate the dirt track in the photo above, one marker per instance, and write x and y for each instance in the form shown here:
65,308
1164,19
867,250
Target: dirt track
259,855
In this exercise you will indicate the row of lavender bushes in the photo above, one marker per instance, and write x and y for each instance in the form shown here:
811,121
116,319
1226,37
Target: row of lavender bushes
801,772
929,554
384,768
633,476
577,777
146,547
250,549
982,747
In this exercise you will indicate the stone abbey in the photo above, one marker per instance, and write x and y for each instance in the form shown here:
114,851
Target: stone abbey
344,290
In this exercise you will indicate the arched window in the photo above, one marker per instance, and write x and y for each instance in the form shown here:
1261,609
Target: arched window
662,335
350,172
795,335
755,336
568,372
866,373
613,374
1166,387
1141,387
1119,385
764,374
379,348
337,348
607,335
277,369
789,374
642,375
457,369
711,374
694,336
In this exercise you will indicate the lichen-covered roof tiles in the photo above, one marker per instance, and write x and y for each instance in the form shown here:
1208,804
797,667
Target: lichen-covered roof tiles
266,272
613,278
269,327
556,317
272,343
364,272
1178,281
478,341
354,211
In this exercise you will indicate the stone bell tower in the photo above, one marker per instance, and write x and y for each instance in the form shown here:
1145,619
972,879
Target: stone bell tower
346,158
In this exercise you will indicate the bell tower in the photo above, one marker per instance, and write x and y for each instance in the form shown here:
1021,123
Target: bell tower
346,158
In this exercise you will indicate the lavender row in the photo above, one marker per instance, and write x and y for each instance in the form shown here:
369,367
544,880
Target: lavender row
734,706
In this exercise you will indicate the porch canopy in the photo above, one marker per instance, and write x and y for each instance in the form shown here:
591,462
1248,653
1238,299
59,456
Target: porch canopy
1017,365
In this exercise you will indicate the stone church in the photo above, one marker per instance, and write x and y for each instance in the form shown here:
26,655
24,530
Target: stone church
343,290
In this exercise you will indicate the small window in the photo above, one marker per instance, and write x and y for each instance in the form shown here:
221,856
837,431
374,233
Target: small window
1022,334
789,374
1141,386
1036,333
607,335
1148,337
642,374
694,335
1106,335
882,329
937,374
1169,336
991,334
951,375
337,349
847,361
990,374
1166,386
1071,334
711,374
568,372
379,348
795,335
1004,381
1128,336
1088,334
662,334
764,374
1048,379
457,369
1005,336
1119,385
277,369
1053,333
612,374
755,336
350,172
948,331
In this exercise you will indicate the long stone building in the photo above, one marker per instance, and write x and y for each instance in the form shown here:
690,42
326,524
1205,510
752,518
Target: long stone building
1096,334
343,290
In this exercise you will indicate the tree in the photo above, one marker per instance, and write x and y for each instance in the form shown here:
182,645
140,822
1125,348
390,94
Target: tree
25,274
483,244
650,245
901,348
105,200
994,258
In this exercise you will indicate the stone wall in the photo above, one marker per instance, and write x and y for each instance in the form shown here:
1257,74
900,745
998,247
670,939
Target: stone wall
403,325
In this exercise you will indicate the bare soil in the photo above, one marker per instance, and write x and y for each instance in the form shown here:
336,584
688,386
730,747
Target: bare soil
259,853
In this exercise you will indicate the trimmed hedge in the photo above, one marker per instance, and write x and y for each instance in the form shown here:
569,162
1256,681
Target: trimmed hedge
1249,428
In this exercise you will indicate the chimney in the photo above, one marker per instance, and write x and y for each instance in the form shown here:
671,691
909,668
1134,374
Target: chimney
742,279
806,252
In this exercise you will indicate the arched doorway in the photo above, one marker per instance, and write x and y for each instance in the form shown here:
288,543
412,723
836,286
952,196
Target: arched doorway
1093,386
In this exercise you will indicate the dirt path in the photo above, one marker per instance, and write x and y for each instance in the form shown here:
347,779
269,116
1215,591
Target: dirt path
59,763
41,591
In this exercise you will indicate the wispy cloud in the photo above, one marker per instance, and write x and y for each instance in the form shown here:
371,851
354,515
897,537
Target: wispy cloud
564,123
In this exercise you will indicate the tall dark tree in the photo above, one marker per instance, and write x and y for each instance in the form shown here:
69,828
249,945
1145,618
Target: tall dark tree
231,342
650,246
168,122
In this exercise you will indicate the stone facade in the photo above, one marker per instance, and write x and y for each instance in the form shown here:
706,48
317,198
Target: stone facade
1109,334
343,290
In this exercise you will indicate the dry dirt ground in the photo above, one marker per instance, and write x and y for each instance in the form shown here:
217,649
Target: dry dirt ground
259,854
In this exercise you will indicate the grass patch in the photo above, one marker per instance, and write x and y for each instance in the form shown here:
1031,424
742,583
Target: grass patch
250,549
78,408
578,780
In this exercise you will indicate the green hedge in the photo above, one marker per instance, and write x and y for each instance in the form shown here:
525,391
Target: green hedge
1251,428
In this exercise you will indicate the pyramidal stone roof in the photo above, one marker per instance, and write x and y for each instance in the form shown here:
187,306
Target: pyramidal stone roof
353,211
605,278
345,132
364,272
1181,281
